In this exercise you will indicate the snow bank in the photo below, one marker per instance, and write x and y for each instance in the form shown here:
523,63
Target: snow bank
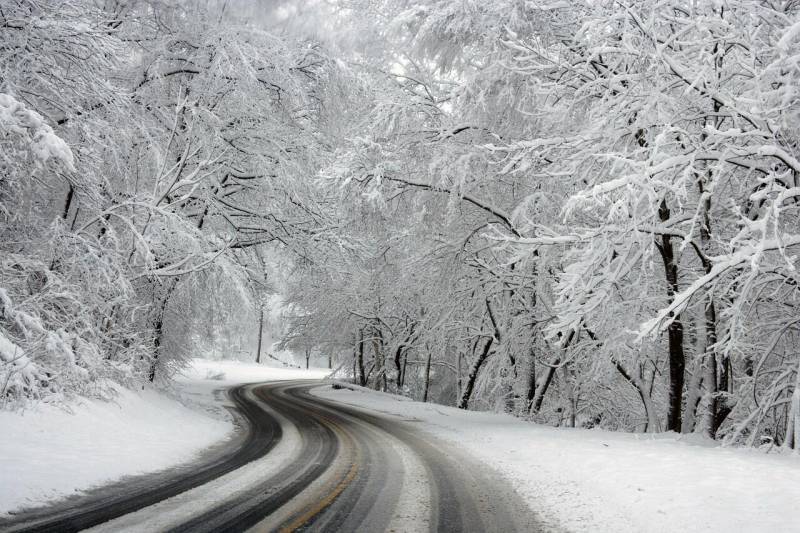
232,372
47,453
593,480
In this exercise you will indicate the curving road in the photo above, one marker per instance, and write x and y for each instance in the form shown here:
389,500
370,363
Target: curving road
305,464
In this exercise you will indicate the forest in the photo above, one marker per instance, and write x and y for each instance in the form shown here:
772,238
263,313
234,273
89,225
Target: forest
583,213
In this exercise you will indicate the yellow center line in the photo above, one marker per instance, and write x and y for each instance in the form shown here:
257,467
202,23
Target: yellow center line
331,496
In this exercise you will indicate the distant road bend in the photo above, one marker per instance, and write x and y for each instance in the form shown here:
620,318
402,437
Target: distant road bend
305,464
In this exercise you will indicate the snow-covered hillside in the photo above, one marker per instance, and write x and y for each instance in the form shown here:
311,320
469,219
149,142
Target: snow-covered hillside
52,452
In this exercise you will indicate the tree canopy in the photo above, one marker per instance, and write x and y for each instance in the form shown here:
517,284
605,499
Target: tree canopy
582,213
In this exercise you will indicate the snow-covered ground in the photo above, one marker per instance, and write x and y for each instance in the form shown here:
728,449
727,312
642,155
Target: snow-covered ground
236,372
593,480
578,480
47,453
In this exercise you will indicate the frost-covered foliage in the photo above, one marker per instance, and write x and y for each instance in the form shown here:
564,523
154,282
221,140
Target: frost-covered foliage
57,289
51,335
581,212
584,212
146,152
26,131
56,339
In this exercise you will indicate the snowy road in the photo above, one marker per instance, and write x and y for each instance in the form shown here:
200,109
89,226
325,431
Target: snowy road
307,463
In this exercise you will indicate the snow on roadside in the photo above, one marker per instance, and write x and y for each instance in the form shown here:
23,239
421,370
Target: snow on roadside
47,453
233,372
594,480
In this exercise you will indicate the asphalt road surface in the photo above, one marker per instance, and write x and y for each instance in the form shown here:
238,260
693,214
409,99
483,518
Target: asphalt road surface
303,464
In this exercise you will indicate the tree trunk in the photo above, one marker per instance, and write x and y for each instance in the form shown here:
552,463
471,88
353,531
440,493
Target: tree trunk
405,369
380,363
677,359
541,390
68,202
362,378
402,348
463,403
260,333
173,282
308,357
530,386
398,354
511,395
572,400
793,418
459,373
158,331
694,394
426,385
718,410
478,363
647,402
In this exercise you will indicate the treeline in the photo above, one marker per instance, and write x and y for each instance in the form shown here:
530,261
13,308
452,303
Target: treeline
583,213
145,148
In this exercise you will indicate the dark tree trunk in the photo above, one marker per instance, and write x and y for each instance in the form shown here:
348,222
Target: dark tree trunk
511,395
68,202
380,360
466,394
478,363
720,408
530,386
260,334
401,358
398,354
403,369
541,390
362,378
723,409
677,358
158,331
459,374
427,376
158,328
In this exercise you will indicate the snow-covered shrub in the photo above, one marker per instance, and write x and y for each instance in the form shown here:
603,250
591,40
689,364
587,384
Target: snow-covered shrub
39,138
27,144
62,326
